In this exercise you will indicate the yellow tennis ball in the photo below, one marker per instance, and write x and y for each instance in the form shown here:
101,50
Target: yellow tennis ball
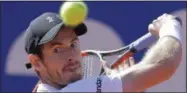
73,13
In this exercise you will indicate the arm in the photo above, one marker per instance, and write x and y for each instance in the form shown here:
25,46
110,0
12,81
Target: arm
158,65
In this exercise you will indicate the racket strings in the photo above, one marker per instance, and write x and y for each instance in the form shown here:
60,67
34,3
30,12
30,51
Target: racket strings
91,66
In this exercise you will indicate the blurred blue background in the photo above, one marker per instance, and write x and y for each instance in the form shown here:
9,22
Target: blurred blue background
129,19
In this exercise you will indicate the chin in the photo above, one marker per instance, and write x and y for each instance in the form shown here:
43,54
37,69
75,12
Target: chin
71,77
76,76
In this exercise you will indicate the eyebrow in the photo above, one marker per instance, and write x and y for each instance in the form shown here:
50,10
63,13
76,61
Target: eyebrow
76,38
56,42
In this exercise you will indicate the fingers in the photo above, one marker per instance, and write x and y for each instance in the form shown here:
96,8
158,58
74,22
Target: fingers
131,61
123,66
126,64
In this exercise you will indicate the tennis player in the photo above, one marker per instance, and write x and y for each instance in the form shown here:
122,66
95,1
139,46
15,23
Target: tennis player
54,53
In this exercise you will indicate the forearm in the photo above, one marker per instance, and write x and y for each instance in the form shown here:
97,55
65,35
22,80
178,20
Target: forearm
166,50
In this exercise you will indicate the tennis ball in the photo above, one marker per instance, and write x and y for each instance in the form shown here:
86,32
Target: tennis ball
73,13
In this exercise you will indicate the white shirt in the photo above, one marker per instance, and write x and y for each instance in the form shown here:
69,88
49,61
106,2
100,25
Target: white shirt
92,84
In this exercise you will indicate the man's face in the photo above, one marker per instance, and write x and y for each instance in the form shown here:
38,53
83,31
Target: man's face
62,57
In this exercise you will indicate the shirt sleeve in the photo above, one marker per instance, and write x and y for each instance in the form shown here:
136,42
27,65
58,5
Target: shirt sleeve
95,84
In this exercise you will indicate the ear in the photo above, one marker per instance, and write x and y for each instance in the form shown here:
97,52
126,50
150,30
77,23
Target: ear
35,61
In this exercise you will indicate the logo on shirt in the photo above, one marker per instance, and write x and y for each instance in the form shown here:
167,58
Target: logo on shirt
99,84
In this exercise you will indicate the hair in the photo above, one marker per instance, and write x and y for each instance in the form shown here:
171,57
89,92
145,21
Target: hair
39,51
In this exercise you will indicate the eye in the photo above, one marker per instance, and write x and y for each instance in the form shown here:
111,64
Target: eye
74,45
57,50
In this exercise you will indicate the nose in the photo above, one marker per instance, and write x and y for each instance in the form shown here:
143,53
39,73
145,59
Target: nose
70,59
72,56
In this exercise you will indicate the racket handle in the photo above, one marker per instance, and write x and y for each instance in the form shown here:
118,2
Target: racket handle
143,42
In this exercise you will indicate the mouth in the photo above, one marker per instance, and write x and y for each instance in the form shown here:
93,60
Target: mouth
72,66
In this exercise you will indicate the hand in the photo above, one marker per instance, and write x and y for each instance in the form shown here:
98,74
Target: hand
123,66
157,24
126,64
